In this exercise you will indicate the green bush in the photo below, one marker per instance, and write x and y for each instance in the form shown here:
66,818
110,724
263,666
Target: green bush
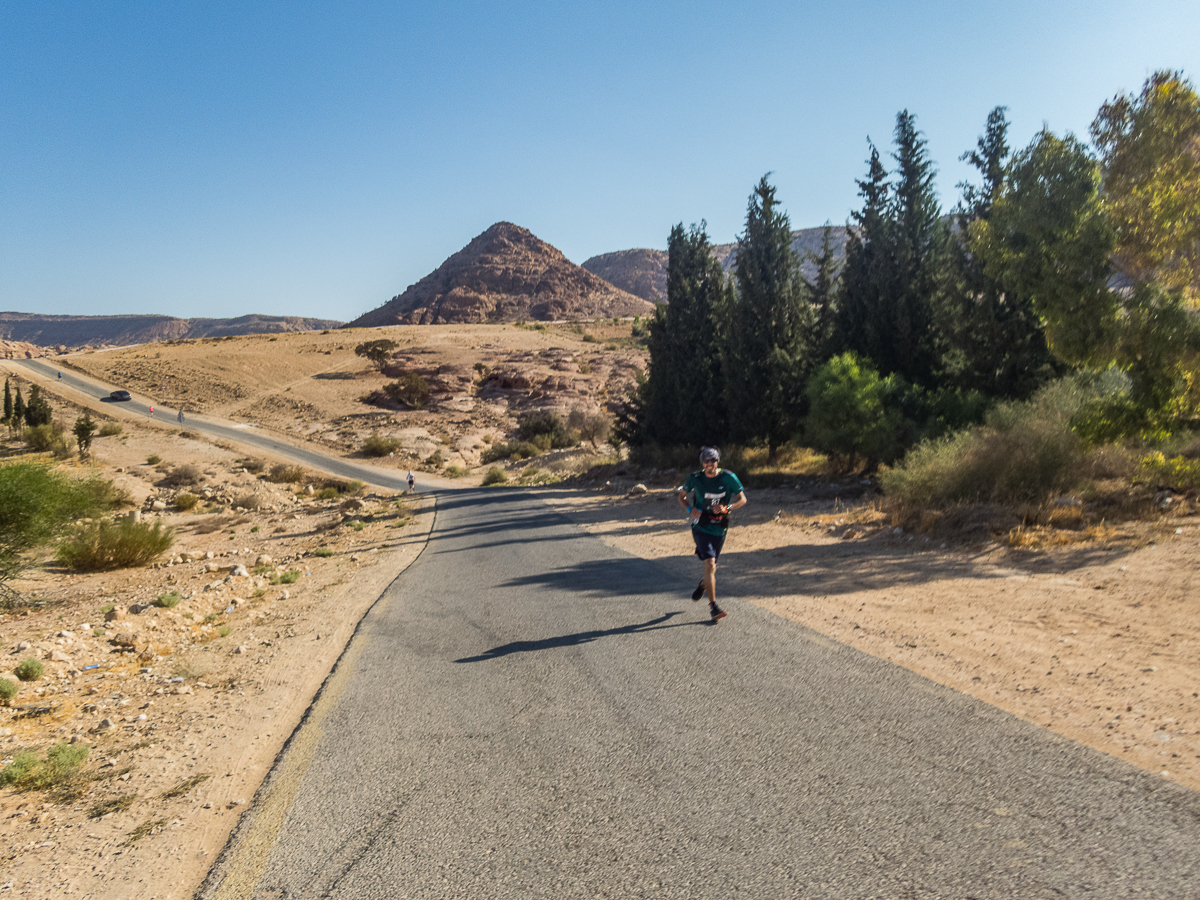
326,493
168,600
495,475
29,669
848,417
8,689
48,438
185,501
37,504
109,429
29,773
377,445
186,474
281,473
323,552
547,428
1024,451
410,389
153,459
455,471
252,465
1179,473
291,576
517,450
103,546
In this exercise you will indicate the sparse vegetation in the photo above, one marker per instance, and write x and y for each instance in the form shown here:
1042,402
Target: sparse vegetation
28,772
8,690
495,475
29,669
435,460
377,445
183,476
323,552
282,473
111,805
251,465
110,429
291,576
185,501
455,471
46,438
410,389
103,546
517,450
153,459
168,600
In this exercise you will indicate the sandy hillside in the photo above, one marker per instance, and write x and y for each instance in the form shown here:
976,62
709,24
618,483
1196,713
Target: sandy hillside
189,705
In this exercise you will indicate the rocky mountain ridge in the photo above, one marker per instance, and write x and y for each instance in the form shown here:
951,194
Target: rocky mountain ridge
504,275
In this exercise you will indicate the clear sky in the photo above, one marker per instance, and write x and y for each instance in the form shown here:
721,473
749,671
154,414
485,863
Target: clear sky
315,158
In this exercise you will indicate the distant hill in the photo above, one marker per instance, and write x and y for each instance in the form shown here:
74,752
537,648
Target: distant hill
503,275
641,272
644,272
115,331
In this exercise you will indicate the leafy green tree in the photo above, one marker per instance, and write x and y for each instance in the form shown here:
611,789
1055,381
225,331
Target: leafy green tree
1149,148
410,389
680,401
378,352
763,360
1047,238
994,340
851,417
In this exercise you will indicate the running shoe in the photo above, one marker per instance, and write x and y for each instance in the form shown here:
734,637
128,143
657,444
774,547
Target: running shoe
698,592
715,611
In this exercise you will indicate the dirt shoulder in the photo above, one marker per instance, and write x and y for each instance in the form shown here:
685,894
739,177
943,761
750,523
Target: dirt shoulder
1097,642
183,709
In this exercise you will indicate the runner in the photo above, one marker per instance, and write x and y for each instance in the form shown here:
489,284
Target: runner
709,496
412,481
180,417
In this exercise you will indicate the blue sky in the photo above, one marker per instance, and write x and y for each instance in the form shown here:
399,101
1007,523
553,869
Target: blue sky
314,159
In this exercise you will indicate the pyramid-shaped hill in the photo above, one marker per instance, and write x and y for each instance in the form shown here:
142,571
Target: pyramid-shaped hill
504,275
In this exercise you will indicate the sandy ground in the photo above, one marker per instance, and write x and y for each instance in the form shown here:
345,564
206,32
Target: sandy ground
1099,642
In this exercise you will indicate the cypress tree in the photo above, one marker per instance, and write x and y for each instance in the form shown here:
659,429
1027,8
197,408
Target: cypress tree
681,400
37,410
764,361
860,325
8,401
822,298
18,416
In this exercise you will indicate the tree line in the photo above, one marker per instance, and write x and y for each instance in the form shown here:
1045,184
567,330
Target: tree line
1062,257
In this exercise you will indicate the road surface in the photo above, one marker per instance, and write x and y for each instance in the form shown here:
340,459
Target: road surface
531,713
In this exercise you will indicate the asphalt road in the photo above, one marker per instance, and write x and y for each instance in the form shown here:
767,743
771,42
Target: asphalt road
531,713
246,435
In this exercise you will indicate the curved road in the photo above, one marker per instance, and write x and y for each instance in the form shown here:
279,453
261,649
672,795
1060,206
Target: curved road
528,712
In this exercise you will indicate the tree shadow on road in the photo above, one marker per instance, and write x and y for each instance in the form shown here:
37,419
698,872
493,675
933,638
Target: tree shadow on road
581,637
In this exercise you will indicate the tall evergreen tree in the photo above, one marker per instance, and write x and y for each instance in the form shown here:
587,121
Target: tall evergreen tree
995,342
18,416
822,298
8,401
681,400
860,321
37,410
764,360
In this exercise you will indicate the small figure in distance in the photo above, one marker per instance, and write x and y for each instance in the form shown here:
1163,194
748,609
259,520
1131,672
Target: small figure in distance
412,481
151,411
709,495
180,417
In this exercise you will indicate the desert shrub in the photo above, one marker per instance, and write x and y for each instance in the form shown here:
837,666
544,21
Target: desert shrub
291,576
168,600
454,472
282,473
353,486
153,459
252,465
37,504
517,450
1179,473
592,426
326,493
378,445
248,501
103,546
435,460
589,338
495,475
110,429
29,773
185,501
1024,451
323,552
410,389
545,428
8,689
29,669
48,438
183,475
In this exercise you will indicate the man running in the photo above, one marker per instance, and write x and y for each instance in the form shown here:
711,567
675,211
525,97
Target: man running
709,496
412,481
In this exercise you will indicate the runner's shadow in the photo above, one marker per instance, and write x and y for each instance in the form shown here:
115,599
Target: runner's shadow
581,637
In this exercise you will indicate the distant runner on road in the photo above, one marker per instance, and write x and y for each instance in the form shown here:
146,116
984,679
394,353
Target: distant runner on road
412,481
180,417
709,496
